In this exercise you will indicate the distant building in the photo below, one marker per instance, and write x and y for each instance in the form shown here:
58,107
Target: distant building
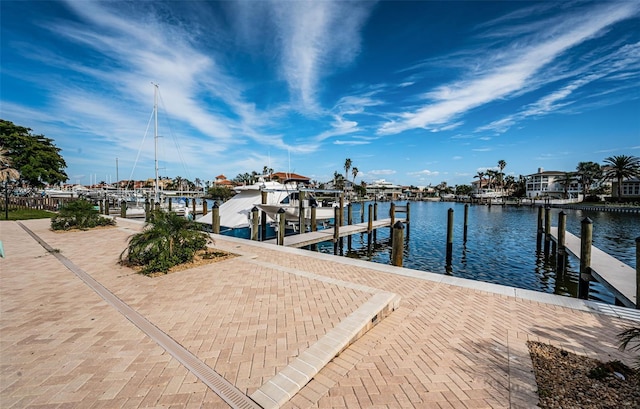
222,181
550,183
383,190
630,188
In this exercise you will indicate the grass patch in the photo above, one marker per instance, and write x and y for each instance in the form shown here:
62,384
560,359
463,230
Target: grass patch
26,214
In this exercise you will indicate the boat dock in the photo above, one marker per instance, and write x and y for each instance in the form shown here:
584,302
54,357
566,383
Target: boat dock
612,273
315,237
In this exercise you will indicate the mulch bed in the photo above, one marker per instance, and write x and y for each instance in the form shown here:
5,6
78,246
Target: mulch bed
566,380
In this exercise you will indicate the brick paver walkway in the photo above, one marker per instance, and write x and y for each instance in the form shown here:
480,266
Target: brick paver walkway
451,343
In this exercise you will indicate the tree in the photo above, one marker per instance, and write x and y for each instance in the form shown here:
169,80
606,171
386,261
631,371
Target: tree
588,173
7,173
220,192
79,214
354,173
621,167
501,165
566,181
463,190
338,180
36,157
480,176
170,240
347,166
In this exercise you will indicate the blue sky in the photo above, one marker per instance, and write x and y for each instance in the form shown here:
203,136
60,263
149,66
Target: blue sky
413,92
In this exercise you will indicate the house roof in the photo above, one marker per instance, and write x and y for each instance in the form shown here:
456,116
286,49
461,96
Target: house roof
288,175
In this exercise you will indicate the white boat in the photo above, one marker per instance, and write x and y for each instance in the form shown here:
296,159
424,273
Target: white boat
235,213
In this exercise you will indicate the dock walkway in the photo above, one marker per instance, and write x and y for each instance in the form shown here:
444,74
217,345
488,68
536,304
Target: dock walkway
616,276
315,237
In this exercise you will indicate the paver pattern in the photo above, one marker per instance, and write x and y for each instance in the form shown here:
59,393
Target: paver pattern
446,346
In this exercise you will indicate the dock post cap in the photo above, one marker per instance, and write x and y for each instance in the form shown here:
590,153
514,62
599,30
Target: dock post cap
399,225
254,209
215,205
281,210
587,220
638,239
451,210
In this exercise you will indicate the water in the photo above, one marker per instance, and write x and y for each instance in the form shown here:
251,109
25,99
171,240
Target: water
501,244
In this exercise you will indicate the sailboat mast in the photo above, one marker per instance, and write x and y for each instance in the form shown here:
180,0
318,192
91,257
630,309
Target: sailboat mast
155,139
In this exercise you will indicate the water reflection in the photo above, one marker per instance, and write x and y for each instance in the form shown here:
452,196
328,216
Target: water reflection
501,245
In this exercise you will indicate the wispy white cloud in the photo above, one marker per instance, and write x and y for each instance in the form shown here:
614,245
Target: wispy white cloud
425,172
513,69
312,40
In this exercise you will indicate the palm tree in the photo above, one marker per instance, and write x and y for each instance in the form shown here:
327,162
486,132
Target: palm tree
480,177
630,338
501,165
170,240
492,175
566,181
198,183
622,167
588,172
354,173
338,180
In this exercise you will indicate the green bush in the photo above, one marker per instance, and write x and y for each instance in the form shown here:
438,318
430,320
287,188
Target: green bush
169,240
79,214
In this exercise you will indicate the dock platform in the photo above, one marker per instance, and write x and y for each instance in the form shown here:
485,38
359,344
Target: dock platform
315,237
617,277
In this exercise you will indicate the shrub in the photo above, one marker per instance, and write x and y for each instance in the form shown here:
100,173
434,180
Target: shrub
169,240
79,214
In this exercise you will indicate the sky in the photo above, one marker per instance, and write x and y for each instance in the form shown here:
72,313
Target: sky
413,92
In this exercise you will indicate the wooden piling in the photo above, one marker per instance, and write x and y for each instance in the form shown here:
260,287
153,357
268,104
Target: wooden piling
204,207
123,209
586,239
449,236
638,273
539,232
314,223
102,207
547,230
301,221
193,207
106,207
263,222
362,212
375,218
369,228
561,261
147,209
170,204
215,218
466,222
349,222
255,224
392,216
336,229
341,209
281,226
397,246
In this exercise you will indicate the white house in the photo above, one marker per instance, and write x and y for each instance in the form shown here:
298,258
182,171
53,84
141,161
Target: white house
550,183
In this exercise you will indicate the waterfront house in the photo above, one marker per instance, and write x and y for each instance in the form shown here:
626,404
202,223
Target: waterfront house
630,189
383,190
550,183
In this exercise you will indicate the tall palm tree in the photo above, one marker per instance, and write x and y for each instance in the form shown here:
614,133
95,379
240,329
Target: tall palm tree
480,177
354,173
589,172
501,165
622,167
566,181
347,166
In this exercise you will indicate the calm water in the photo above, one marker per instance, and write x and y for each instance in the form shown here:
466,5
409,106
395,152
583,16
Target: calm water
501,244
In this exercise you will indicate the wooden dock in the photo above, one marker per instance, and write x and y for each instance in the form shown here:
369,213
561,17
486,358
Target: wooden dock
617,277
315,237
